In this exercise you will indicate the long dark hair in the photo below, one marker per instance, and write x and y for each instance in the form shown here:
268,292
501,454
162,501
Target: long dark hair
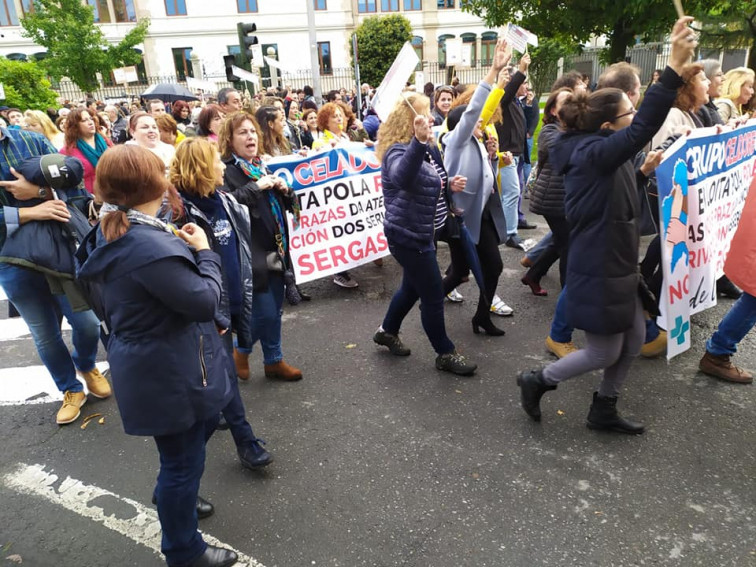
271,141
587,112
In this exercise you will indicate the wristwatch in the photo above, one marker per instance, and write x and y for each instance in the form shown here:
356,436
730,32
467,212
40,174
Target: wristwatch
42,192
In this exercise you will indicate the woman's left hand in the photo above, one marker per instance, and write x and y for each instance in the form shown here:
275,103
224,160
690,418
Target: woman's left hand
281,185
458,183
652,161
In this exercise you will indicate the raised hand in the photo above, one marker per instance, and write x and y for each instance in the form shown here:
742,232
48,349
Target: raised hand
502,55
524,63
683,44
422,129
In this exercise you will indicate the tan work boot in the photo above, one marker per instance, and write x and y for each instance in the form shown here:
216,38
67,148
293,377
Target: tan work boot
282,371
721,367
70,410
560,350
656,347
241,361
97,384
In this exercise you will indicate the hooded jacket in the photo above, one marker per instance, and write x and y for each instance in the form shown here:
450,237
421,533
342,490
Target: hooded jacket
603,208
167,360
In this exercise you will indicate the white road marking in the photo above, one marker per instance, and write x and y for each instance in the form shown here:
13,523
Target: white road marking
31,385
142,528
2,294
16,328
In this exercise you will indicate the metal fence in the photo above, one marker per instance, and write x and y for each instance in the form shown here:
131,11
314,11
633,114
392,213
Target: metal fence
68,91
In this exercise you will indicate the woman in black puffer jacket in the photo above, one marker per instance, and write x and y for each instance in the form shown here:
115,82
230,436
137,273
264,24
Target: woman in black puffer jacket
547,198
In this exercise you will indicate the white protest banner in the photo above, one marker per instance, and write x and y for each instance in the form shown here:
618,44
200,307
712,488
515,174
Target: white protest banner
125,75
419,81
246,75
391,87
341,200
453,47
703,182
519,38
198,85
257,55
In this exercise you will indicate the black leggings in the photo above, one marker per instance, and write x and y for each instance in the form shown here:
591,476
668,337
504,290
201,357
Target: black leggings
490,262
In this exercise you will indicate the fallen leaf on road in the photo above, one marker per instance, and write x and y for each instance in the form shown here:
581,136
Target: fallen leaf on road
352,345
560,412
15,558
88,419
101,420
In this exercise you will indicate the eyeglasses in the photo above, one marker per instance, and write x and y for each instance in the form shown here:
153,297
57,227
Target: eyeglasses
633,111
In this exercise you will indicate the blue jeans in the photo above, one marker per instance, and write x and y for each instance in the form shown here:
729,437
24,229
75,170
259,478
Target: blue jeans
234,413
267,310
527,167
735,325
534,253
510,194
42,311
561,330
182,462
421,279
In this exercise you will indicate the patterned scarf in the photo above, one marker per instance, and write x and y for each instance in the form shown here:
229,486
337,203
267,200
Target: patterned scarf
138,217
255,169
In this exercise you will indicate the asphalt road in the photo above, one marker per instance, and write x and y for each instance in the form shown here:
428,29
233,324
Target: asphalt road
384,461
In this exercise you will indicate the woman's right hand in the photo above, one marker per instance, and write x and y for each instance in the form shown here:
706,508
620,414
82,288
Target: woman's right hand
422,128
194,236
683,44
54,210
266,182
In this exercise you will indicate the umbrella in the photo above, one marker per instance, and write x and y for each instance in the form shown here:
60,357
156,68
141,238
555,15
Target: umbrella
168,92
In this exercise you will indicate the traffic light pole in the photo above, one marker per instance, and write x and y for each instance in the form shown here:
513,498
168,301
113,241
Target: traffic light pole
314,62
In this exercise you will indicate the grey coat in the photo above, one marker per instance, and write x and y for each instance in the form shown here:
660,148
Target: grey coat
464,155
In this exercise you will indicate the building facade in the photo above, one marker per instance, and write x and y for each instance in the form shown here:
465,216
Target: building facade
180,28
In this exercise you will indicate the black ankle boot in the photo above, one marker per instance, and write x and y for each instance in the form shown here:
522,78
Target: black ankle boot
603,415
532,389
487,325
215,557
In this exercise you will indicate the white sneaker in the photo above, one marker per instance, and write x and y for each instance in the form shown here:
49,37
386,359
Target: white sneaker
500,308
454,296
344,280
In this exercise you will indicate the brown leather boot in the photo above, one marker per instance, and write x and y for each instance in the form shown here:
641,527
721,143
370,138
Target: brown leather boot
721,367
282,371
241,361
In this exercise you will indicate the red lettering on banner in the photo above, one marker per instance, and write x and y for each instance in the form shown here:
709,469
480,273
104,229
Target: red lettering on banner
378,183
677,291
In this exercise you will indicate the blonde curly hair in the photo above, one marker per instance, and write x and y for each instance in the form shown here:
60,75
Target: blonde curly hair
398,128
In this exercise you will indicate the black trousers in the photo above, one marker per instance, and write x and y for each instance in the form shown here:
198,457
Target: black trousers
560,230
490,262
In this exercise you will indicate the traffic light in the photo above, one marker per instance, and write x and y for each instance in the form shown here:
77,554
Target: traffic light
229,61
246,41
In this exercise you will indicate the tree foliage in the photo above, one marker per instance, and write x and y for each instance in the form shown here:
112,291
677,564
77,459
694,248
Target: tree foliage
728,24
577,20
76,47
545,60
379,40
26,86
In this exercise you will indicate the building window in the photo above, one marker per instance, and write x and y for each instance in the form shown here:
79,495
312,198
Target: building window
468,42
27,6
324,57
487,47
182,63
410,5
244,6
417,45
442,50
365,6
124,10
445,4
175,7
8,15
389,5
320,4
101,12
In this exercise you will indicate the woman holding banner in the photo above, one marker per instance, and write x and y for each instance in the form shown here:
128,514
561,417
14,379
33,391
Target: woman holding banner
268,199
605,293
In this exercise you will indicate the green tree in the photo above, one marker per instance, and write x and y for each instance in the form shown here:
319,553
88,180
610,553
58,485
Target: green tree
379,40
728,24
545,60
577,20
26,86
76,47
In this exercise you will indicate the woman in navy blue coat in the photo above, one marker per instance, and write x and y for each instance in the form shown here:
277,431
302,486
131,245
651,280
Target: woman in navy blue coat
604,289
416,192
160,302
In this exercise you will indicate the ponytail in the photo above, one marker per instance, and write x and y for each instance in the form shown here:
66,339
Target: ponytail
114,225
587,112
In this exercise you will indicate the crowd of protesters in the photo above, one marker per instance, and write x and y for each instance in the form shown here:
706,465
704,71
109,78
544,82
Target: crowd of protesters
188,264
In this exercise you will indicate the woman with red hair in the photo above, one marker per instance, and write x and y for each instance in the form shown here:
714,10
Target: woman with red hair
83,142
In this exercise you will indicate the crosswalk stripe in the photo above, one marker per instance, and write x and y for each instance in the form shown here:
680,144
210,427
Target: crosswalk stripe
143,527
16,328
31,385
